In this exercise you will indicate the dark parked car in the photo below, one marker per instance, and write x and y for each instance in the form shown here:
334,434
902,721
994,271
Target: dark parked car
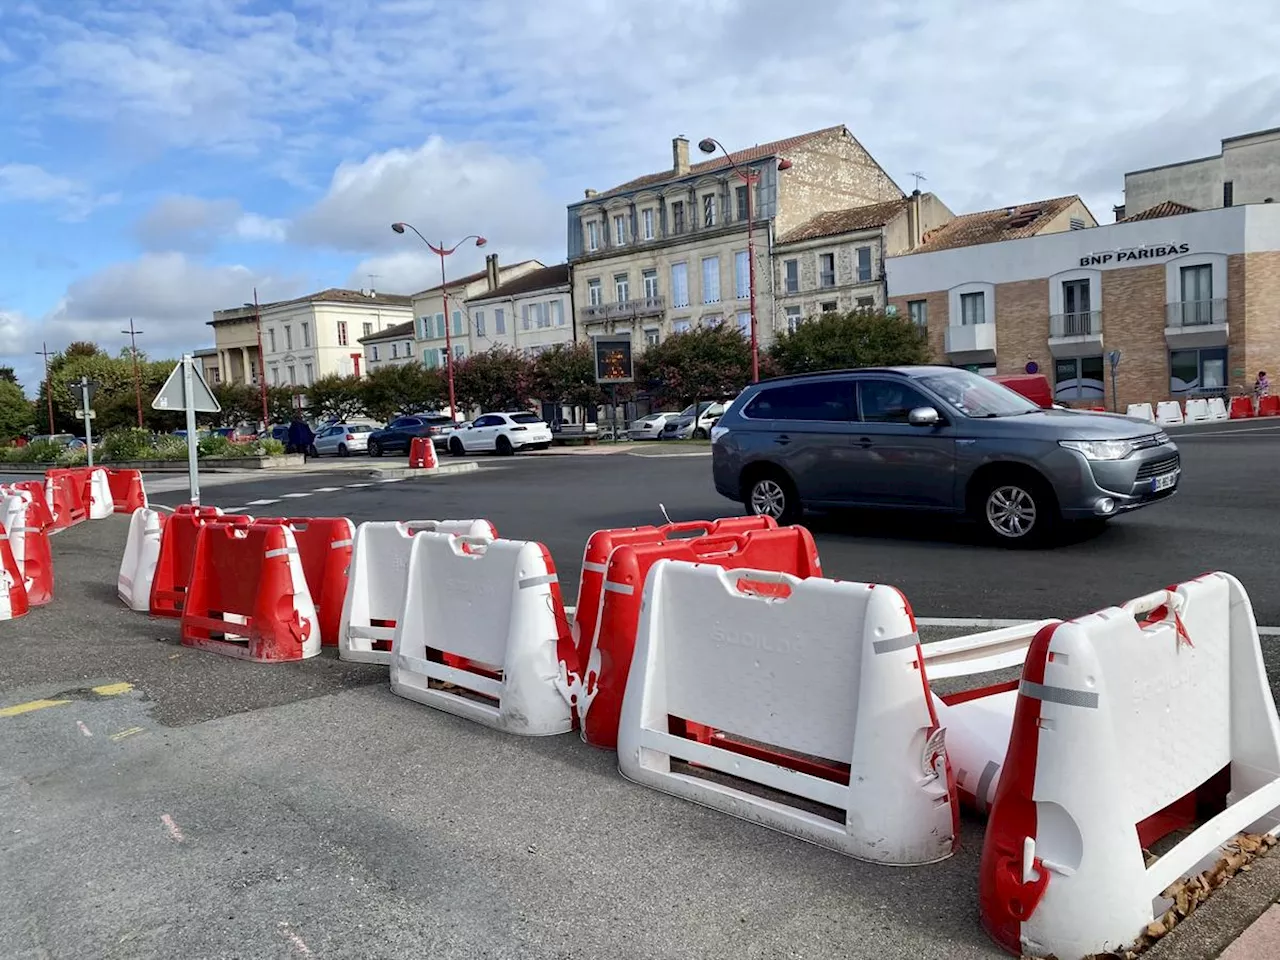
396,436
934,438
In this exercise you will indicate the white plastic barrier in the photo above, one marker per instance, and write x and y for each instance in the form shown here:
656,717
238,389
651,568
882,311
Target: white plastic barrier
99,504
484,616
1197,410
1169,413
376,585
1142,411
1218,409
802,677
138,565
13,521
1120,717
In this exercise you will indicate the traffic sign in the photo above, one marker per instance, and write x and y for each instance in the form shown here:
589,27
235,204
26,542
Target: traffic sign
93,415
173,397
81,387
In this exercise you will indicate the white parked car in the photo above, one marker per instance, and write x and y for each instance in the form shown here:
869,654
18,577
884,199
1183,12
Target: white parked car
342,439
649,427
503,433
686,426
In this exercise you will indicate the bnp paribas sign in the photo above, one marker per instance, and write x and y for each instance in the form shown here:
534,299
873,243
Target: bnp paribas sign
1157,251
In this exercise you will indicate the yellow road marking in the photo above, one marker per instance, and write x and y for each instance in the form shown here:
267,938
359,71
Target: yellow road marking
112,689
117,737
27,707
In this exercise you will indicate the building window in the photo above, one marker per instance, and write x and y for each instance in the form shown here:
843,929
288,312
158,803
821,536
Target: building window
710,279
1077,223
595,296
621,287
479,321
742,275
620,229
646,219
288,337
293,374
459,352
1076,316
793,319
1228,193
864,264
1197,295
593,236
709,210
679,285
680,326
215,374
1078,379
919,312
367,327
557,310
650,280
306,374
459,326
395,351
275,376
866,303
830,306
973,309
740,201
306,333
499,320
712,320
271,340
744,322
677,217
526,310
440,326
544,315
791,271
408,349
1198,372
342,333
826,269
652,337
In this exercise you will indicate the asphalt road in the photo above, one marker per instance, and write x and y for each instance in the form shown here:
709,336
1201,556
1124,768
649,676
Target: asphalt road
165,802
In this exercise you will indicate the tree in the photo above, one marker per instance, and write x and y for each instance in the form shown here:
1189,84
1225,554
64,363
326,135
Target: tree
497,379
17,413
566,374
336,397
282,404
704,363
7,374
392,391
240,403
839,341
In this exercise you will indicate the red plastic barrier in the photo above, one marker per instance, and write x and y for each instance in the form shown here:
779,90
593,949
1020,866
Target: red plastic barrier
38,512
1269,406
788,550
66,491
127,492
17,604
37,562
422,453
242,601
324,546
177,553
1241,408
595,558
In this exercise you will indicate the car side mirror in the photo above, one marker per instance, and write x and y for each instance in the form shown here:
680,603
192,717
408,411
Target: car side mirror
923,417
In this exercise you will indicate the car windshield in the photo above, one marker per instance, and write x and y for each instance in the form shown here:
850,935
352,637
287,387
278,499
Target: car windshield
525,418
976,396
702,408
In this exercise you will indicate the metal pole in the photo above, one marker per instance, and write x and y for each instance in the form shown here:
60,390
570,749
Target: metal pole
751,274
88,428
613,409
48,384
188,401
262,361
448,337
137,378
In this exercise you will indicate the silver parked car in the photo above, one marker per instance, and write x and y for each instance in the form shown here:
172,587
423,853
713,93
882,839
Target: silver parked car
935,438
649,427
342,439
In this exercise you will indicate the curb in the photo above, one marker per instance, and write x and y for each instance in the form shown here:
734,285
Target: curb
421,473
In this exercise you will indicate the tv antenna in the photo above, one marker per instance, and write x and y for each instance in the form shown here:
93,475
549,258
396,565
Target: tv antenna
918,175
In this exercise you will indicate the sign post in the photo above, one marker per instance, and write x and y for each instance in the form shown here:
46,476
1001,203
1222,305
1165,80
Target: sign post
1114,358
186,389
613,366
83,391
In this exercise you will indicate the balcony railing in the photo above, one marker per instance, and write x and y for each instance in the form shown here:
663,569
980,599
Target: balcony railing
595,311
1086,324
643,307
1196,313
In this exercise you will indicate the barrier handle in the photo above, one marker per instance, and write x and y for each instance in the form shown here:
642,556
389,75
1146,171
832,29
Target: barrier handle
725,544
1148,603
733,579
685,526
467,545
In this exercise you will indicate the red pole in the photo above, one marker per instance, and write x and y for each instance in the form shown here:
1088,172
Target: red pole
262,360
448,336
48,384
751,274
137,379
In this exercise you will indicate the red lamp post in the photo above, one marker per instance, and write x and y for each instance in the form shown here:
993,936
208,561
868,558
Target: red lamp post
442,251
710,145
134,333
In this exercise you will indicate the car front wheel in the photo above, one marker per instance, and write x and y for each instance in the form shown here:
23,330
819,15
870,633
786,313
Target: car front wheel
343,451
375,448
455,447
504,447
772,495
1017,511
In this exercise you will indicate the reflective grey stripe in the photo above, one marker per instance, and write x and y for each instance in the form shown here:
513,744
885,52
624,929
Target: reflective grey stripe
594,567
538,581
340,543
25,530
894,644
280,553
984,784
1062,695
623,588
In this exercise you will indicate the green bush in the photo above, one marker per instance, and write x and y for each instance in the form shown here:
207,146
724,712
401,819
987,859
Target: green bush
271,447
126,443
42,451
169,447
16,454
73,457
214,445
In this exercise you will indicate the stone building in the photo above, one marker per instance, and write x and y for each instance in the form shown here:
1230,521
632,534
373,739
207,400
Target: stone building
529,313
392,347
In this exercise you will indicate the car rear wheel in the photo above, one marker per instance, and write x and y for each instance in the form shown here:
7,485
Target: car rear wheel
455,447
1017,510
375,448
699,434
772,494
504,447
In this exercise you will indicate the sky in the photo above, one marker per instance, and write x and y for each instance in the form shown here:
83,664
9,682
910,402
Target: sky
160,159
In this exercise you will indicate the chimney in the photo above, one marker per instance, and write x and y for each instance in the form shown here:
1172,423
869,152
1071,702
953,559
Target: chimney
588,193
680,155
913,220
491,270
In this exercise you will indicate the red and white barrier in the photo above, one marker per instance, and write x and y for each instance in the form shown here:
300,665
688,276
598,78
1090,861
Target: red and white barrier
248,597
1269,406
64,492
141,554
823,676
1141,411
1196,410
38,513
1124,720
96,494
422,453
1241,408
325,545
376,584
484,616
1169,413
127,490
598,695
13,591
1218,409
177,554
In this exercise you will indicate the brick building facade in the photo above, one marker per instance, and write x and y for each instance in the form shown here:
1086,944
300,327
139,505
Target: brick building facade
1191,302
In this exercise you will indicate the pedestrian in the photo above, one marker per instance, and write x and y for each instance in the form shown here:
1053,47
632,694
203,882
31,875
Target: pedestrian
1261,388
300,436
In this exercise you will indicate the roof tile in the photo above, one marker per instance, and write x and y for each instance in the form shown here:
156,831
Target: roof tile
1168,208
834,222
992,226
540,279
394,332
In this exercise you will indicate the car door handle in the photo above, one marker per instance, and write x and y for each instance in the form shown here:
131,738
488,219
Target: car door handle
782,441
862,442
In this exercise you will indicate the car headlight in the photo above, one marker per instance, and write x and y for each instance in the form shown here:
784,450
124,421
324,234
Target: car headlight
1100,449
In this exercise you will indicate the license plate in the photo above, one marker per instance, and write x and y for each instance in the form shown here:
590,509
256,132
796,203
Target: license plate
1166,481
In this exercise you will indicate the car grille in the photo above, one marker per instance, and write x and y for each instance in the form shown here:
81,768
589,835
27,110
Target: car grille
1155,440
1154,468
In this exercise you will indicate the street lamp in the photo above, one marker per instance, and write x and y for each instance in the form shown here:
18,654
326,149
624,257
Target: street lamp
442,251
710,145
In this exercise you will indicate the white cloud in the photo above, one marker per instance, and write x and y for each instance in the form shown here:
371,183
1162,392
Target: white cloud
28,183
179,222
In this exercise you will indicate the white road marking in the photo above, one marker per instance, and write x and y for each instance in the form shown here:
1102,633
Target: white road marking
1223,433
84,728
295,496
326,489
172,827
261,503
298,943
353,486
392,480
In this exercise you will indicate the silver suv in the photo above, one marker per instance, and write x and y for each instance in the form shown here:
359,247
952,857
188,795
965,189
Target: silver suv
934,438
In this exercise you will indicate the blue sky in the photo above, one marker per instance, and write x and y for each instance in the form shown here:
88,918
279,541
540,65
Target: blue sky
160,158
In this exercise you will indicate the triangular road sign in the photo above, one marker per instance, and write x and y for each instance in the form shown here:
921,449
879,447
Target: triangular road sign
173,397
